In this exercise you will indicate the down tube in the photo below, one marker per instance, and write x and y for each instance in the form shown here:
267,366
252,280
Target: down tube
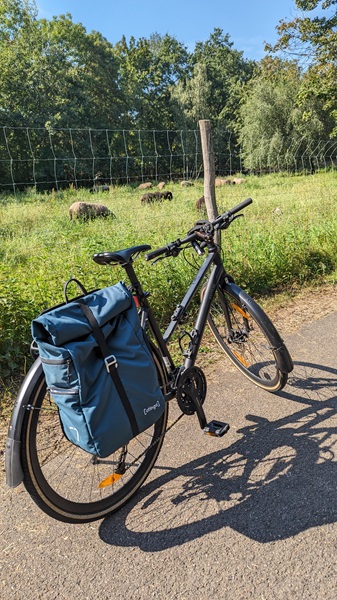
201,320
182,307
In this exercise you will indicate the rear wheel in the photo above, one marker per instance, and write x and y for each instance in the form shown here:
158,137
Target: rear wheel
64,480
247,336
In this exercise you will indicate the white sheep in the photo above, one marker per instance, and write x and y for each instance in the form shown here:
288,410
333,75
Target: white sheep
144,186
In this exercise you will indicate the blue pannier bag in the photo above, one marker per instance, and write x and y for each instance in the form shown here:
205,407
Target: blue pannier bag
99,369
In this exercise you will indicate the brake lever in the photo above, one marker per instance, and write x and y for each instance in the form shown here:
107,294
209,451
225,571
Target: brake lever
157,259
227,223
197,226
172,250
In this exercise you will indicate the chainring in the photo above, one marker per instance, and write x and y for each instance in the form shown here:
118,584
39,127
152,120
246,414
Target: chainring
191,388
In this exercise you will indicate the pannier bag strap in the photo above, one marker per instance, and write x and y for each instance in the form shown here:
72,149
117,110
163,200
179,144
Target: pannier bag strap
111,365
80,285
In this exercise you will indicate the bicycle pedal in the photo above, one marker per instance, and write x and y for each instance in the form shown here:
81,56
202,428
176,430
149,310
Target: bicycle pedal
216,428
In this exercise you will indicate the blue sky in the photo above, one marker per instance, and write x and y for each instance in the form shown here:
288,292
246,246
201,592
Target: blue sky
249,23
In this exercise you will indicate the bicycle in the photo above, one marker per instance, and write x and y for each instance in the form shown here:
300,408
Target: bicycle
74,486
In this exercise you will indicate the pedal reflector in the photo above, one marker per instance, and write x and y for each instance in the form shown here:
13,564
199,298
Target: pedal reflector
216,428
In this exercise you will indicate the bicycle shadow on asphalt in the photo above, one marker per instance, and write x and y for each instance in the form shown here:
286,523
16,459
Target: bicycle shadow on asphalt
277,480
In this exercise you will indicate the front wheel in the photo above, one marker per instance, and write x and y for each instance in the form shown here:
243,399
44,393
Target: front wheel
248,338
65,481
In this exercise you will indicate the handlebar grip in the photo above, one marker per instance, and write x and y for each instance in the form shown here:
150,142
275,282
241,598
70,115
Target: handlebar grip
155,253
240,206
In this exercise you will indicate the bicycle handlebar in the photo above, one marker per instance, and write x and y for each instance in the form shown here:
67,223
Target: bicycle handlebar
156,253
237,208
207,227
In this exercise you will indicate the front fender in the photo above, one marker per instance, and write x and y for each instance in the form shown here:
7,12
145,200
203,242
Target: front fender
281,353
14,471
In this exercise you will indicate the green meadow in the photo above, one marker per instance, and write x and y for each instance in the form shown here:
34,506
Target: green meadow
287,240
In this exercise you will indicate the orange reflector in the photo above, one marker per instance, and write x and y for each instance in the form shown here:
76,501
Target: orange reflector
136,300
109,480
241,311
239,357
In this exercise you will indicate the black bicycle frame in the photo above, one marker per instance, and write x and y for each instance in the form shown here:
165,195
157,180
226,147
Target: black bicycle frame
216,275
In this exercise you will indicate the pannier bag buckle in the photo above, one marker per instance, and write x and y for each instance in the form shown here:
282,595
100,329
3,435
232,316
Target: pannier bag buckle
109,361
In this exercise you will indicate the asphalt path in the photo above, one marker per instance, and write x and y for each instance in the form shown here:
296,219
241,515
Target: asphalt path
249,516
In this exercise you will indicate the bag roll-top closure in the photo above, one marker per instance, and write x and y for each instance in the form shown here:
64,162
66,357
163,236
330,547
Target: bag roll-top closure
105,305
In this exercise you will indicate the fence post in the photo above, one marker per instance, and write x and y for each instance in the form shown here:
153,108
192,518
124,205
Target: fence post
209,173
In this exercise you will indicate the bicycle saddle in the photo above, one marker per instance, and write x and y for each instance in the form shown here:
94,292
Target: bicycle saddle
121,257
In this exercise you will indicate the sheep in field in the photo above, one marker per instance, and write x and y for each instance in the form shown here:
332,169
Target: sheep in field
85,211
156,197
219,182
144,186
200,204
167,195
99,185
100,188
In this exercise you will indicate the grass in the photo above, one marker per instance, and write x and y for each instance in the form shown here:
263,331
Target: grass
287,239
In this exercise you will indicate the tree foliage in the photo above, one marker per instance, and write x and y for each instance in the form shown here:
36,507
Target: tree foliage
54,72
275,128
192,97
223,69
311,37
148,69
54,75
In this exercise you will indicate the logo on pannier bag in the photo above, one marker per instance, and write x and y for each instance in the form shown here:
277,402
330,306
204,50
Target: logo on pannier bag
149,408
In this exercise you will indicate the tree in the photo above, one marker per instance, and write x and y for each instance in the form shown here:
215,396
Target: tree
54,72
54,75
193,97
275,130
311,37
226,70
148,68
14,14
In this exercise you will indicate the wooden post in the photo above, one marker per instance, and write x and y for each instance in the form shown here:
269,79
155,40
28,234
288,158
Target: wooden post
209,173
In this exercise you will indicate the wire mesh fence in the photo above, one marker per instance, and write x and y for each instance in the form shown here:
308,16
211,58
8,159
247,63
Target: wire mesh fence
54,159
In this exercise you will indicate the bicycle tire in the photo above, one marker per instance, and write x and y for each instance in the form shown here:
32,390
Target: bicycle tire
247,336
63,480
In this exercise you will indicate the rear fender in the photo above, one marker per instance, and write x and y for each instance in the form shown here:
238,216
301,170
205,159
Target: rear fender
14,471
